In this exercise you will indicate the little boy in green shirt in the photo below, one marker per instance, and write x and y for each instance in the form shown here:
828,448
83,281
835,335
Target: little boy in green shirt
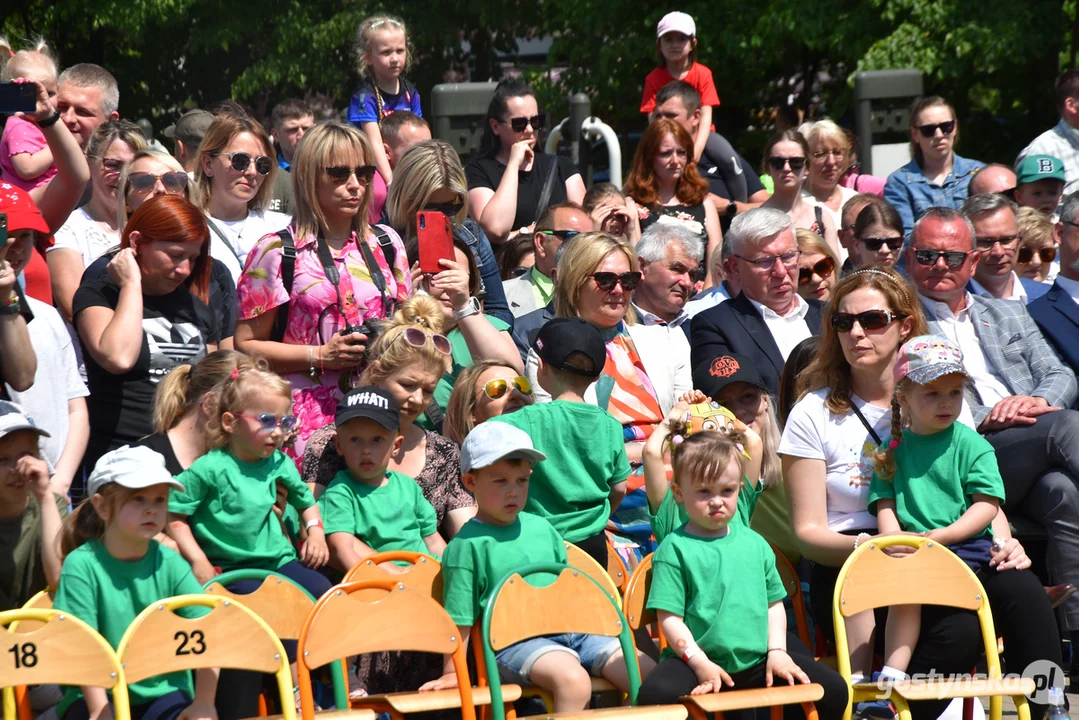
368,508
496,461
583,479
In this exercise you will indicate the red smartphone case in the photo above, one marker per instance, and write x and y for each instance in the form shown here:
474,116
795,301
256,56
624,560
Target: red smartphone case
434,238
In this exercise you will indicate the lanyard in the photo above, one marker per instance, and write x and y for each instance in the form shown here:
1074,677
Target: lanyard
872,432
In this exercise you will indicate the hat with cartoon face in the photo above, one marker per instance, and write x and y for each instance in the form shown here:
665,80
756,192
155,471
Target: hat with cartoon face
927,357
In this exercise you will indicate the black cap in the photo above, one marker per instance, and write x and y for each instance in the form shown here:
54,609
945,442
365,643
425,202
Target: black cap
712,376
371,403
560,337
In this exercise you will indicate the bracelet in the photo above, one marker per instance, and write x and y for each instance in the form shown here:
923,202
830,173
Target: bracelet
11,307
858,539
49,121
776,650
311,361
321,368
689,652
313,522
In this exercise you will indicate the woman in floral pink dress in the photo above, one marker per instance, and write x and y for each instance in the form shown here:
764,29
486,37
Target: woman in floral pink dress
331,173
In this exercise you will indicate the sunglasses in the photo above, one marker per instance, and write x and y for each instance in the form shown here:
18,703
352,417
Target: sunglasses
341,173
875,244
495,389
953,259
518,124
1045,254
268,422
519,271
987,243
929,131
869,320
607,280
450,210
796,163
789,259
143,182
562,235
417,338
112,167
240,161
823,267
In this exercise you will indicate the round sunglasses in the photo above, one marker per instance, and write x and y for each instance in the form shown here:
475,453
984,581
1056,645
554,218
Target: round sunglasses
796,163
869,320
341,173
268,422
823,267
414,337
518,124
143,182
498,388
240,161
875,244
1045,254
607,280
928,131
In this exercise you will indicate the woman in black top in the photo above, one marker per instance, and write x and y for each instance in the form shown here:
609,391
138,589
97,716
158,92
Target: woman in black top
502,201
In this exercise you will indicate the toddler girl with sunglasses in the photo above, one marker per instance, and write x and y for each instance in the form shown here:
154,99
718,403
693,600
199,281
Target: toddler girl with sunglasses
224,519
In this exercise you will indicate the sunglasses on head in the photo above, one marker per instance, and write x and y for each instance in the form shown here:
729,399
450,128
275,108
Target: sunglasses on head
240,161
796,163
562,235
341,173
607,280
450,210
875,244
953,259
1045,254
518,124
418,338
268,422
930,130
495,389
143,182
869,320
822,267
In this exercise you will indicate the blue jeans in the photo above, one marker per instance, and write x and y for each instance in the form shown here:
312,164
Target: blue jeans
515,663
166,707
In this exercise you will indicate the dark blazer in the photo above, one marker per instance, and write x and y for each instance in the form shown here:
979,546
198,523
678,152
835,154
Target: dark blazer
735,326
1058,317
527,327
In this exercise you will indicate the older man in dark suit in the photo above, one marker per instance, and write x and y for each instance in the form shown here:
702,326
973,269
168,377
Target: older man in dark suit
1057,312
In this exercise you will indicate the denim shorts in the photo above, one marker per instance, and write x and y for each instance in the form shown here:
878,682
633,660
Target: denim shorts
592,651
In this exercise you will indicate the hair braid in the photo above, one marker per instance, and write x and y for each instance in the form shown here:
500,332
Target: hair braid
884,458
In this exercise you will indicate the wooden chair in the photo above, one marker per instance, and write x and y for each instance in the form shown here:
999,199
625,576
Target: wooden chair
932,575
62,650
616,568
159,641
424,573
578,558
284,606
793,584
700,706
17,699
518,610
378,615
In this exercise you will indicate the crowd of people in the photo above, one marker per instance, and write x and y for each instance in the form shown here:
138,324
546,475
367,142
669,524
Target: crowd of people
228,357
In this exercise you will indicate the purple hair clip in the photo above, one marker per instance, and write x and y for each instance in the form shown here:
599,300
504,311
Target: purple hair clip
676,440
893,444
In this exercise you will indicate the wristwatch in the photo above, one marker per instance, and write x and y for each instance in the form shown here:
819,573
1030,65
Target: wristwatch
731,211
472,308
49,121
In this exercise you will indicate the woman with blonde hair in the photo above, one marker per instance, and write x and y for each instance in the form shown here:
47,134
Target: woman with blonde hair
829,159
309,313
485,390
429,176
1036,257
817,266
234,176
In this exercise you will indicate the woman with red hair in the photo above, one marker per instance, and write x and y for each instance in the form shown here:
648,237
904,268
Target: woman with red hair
141,311
665,184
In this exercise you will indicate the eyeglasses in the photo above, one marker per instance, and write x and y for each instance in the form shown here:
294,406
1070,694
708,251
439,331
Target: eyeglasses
240,161
823,267
495,389
268,422
520,123
875,244
929,131
143,182
823,154
953,259
562,235
341,173
796,163
418,338
869,320
450,210
111,167
607,280
1045,254
987,243
789,259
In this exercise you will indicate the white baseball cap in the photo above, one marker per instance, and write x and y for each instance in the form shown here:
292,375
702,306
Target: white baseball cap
131,467
13,419
492,441
676,22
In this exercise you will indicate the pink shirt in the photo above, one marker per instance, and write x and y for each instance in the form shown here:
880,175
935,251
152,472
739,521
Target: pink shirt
22,136
379,192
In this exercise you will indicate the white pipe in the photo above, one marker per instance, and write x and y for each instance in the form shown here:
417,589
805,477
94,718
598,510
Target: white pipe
596,126
553,137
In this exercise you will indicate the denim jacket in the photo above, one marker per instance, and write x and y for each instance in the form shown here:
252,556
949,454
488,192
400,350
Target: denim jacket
494,297
910,192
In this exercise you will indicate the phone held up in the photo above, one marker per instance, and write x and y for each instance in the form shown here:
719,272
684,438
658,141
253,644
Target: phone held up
435,240
3,230
17,97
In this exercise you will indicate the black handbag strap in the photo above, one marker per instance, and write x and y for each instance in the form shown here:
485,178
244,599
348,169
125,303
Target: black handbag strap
288,274
872,432
220,234
548,188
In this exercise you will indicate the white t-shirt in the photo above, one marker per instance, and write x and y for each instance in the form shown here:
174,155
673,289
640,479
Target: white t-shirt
241,236
85,235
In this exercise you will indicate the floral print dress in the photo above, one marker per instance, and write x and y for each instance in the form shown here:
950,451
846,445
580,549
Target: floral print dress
313,312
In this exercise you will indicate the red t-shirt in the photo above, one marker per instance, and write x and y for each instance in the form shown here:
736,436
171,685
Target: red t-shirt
38,282
699,76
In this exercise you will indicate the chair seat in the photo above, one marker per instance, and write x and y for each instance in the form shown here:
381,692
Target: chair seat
407,703
758,697
914,690
330,715
657,712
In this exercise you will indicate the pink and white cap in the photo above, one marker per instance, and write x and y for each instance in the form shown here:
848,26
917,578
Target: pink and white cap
927,357
676,22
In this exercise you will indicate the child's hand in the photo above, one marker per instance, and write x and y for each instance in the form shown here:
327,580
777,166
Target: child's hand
712,679
780,664
692,397
203,571
315,553
35,473
199,711
447,681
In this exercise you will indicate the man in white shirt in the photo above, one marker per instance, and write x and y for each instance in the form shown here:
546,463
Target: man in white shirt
724,290
669,257
1062,141
996,233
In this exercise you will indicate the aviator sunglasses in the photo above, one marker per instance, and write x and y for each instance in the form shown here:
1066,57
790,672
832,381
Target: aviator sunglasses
497,388
341,173
143,182
822,267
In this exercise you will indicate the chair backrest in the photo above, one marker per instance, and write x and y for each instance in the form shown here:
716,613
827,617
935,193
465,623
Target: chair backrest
279,601
578,558
793,585
61,650
159,641
616,568
637,594
424,573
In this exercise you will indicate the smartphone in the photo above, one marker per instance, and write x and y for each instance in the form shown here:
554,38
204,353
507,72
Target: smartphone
3,230
435,239
17,97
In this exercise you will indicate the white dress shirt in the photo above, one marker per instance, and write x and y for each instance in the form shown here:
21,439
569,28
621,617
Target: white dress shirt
1019,293
960,330
787,330
707,299
675,334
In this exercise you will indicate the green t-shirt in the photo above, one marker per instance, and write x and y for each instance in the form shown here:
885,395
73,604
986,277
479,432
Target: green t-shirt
21,572
721,588
481,555
107,594
935,477
229,505
671,514
586,455
394,516
462,358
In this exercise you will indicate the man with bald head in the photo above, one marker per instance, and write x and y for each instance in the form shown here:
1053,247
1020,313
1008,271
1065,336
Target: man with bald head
995,178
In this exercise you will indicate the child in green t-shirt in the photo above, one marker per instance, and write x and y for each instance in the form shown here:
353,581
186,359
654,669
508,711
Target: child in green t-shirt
367,508
583,479
497,460
113,570
934,476
718,595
